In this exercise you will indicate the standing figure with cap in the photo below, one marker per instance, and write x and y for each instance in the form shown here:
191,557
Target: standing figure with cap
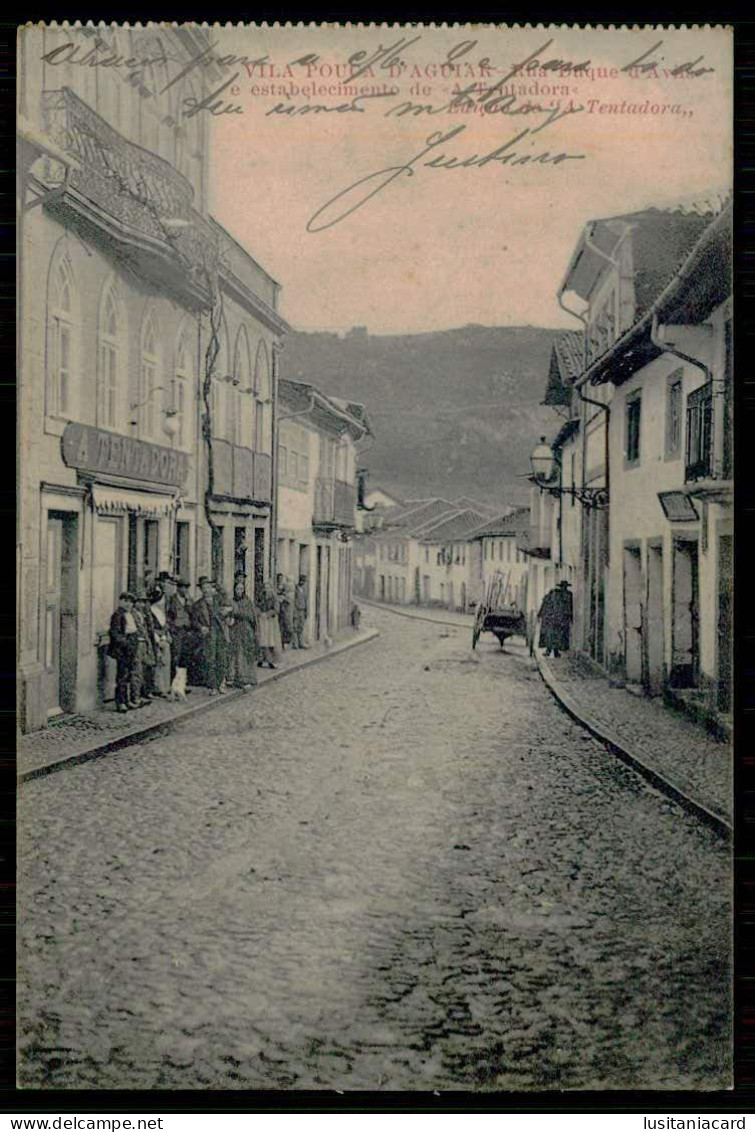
147,656
123,648
556,613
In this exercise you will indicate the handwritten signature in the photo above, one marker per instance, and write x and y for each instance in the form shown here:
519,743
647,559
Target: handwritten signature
356,195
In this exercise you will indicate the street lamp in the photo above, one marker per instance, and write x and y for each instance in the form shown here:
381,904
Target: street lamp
546,474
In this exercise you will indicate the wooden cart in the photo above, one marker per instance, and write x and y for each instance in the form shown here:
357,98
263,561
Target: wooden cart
498,614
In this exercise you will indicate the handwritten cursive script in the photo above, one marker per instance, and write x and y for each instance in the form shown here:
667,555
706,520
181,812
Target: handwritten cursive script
356,195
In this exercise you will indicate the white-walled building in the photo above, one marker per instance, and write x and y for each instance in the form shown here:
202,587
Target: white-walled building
119,270
495,546
443,570
317,500
669,613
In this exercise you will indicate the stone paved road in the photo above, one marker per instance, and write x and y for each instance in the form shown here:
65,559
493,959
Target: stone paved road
404,868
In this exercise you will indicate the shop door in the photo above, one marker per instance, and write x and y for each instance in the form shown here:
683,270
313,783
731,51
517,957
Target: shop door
105,591
684,625
239,551
654,644
61,614
53,597
259,559
633,614
725,622
318,593
326,592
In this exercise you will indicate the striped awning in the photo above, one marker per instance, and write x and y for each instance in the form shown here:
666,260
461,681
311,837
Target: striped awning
119,501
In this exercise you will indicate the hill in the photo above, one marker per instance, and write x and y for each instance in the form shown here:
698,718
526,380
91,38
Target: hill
455,412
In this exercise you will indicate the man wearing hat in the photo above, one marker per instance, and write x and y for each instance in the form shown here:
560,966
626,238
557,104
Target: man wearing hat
123,648
556,613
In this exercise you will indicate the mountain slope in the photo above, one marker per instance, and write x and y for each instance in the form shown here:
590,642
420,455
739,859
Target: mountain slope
455,412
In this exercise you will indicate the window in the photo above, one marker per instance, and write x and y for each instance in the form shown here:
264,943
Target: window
149,410
282,461
243,406
112,326
303,467
674,415
60,361
427,554
633,421
181,392
181,567
262,397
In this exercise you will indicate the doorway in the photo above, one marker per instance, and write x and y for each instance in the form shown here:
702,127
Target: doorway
685,615
318,592
259,560
239,551
655,635
61,613
633,614
725,621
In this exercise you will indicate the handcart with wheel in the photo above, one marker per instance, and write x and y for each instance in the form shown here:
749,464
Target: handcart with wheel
498,614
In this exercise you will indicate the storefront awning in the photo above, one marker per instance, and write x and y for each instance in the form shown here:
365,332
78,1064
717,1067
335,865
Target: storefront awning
119,501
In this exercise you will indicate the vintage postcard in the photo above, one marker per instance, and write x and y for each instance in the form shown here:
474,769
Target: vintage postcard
374,557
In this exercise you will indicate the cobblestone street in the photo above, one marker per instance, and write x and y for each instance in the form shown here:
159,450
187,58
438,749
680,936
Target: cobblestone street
402,868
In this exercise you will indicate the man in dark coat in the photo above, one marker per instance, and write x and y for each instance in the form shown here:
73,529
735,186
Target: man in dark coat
555,615
208,622
123,648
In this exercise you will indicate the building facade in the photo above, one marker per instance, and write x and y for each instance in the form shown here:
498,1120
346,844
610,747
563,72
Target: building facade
121,278
648,419
496,547
317,439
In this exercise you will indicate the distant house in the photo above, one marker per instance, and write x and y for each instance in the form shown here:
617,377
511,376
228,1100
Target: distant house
316,477
495,546
442,575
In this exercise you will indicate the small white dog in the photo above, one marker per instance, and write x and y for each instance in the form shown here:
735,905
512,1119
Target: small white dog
178,687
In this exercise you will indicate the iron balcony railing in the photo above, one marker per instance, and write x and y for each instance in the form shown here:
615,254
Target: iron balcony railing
699,454
135,186
335,502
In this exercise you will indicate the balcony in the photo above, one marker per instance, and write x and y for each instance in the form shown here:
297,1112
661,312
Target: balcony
133,191
335,504
240,473
708,455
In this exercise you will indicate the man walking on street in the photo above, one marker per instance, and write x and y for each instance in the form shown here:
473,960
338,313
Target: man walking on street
555,620
301,606
123,648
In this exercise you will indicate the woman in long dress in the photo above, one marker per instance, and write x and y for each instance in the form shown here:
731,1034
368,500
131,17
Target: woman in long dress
243,666
268,628
161,640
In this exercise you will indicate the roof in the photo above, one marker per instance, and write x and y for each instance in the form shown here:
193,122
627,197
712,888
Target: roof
420,513
515,523
566,364
465,503
661,239
453,527
700,284
300,397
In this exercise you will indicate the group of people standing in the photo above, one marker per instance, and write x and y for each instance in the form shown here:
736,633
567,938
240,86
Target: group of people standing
215,641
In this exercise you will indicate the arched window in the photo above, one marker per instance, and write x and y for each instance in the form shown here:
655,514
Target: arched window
244,402
220,384
62,305
182,387
111,357
262,398
149,384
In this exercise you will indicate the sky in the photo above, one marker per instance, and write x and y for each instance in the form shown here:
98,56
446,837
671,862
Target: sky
443,247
